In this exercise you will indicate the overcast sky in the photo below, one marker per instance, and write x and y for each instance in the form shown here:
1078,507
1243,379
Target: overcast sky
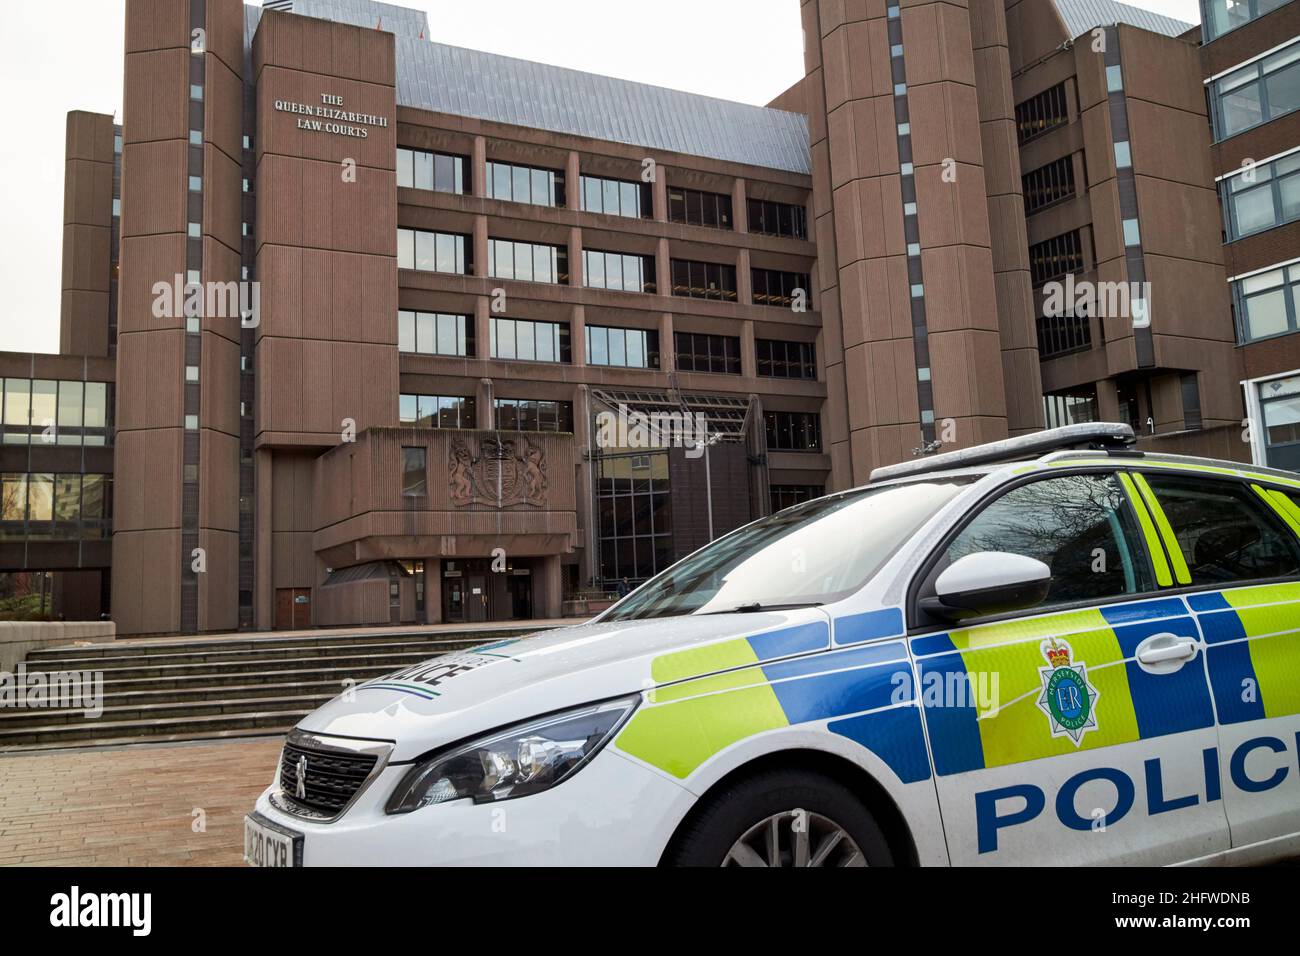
66,55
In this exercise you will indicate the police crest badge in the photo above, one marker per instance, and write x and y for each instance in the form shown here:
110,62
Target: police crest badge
1069,700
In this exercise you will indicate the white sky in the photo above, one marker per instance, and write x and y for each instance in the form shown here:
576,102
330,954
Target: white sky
56,57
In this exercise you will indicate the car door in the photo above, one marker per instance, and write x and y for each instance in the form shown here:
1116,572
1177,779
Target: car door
1074,750
1236,547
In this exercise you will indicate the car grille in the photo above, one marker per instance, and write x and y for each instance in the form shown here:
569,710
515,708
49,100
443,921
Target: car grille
331,781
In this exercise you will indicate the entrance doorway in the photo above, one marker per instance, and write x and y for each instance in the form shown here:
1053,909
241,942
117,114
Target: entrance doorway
292,608
473,593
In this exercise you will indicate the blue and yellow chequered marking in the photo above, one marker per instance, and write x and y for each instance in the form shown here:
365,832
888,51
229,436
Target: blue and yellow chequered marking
1253,635
683,725
1131,704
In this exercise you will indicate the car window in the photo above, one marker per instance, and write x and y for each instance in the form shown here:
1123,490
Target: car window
1080,526
1226,534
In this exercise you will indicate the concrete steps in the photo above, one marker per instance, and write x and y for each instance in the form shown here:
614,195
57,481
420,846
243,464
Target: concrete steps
175,690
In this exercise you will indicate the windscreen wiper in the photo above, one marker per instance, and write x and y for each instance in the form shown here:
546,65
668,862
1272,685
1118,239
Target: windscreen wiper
758,606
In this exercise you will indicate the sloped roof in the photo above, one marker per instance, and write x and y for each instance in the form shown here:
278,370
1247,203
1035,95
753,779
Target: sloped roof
503,89
1081,16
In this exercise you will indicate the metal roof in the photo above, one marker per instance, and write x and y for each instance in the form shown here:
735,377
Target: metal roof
1081,16
503,89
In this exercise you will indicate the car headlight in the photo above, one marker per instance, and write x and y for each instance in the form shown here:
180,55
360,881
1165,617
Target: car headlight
514,762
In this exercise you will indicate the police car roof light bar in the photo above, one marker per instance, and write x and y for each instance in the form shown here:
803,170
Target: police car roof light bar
1094,436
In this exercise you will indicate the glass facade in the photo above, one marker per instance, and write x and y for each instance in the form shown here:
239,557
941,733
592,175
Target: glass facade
437,411
699,352
528,261
49,505
703,280
1261,197
443,172
531,415
55,412
435,251
618,271
616,197
1257,93
635,516
435,333
530,341
527,184
622,348
1071,407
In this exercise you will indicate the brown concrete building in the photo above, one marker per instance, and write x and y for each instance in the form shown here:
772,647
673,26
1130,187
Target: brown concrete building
459,317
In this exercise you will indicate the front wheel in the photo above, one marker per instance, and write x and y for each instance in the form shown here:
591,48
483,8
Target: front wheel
782,818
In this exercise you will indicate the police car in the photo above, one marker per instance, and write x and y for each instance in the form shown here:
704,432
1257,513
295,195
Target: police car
1049,650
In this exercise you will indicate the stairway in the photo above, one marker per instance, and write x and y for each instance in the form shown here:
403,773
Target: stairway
203,688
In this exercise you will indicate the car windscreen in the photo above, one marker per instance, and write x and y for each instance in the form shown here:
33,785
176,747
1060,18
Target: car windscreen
814,553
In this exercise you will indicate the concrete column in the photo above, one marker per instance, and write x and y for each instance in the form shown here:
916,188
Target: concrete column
663,269
575,257
667,347
548,586
481,246
659,194
432,590
578,335
483,327
486,411
744,279
739,208
748,360
573,181
480,166
263,582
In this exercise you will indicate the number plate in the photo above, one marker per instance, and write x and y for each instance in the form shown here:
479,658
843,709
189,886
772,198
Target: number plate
266,844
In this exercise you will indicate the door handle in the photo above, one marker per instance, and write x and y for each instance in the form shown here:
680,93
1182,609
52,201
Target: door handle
1165,649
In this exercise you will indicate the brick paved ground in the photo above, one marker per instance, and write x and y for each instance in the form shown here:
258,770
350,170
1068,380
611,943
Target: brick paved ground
132,806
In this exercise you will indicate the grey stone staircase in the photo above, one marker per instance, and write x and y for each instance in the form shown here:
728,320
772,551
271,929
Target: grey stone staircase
196,689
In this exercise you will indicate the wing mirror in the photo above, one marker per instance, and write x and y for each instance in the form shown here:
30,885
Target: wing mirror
991,582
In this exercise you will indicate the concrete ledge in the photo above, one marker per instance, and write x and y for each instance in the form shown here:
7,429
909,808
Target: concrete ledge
19,637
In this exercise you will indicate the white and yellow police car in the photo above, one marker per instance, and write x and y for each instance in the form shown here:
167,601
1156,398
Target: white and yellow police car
1050,650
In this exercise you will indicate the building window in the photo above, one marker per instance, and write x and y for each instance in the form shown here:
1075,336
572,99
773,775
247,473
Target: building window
619,271
1071,407
787,496
616,197
1056,257
528,261
1041,114
415,477
80,506
622,348
696,208
793,431
437,411
778,359
1062,334
1266,304
435,333
1222,16
1257,93
527,341
774,287
527,184
634,516
1048,184
703,280
1261,197
697,352
530,415
442,172
769,218
54,412
1280,409
435,251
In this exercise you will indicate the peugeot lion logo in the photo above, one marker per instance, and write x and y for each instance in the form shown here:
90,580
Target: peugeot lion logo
301,789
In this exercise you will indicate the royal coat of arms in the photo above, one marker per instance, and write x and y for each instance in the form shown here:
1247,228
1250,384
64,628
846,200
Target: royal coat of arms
497,471
1069,700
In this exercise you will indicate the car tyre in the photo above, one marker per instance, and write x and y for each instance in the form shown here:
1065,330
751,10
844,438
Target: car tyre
790,816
